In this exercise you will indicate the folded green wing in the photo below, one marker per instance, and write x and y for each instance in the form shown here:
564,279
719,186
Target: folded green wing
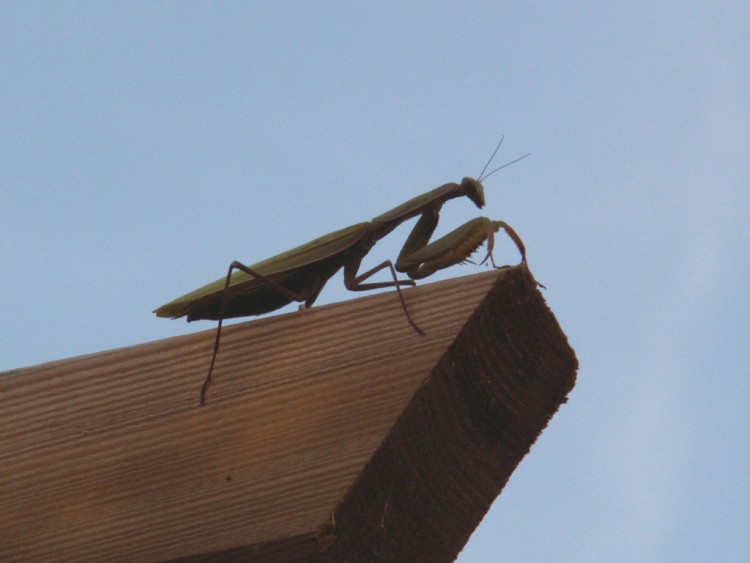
299,257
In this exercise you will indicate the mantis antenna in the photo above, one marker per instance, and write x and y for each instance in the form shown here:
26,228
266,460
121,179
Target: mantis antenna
482,177
497,148
506,164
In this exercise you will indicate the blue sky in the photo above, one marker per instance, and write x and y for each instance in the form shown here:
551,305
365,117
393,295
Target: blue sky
143,146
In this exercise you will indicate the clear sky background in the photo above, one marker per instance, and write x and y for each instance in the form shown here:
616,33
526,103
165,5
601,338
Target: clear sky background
143,146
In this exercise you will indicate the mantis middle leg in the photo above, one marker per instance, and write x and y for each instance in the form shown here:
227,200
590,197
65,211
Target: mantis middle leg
353,282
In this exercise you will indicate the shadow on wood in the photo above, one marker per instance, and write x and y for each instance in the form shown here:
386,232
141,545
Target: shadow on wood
335,433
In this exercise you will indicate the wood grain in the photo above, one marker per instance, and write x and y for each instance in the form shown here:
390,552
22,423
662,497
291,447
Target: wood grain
109,457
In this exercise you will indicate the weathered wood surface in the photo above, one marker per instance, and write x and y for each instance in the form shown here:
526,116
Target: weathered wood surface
109,457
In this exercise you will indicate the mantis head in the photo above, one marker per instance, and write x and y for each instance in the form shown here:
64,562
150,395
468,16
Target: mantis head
474,190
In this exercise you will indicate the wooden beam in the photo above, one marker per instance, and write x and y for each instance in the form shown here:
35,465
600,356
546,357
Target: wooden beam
332,432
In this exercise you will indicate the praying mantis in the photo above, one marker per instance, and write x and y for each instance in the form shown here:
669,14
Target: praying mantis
301,273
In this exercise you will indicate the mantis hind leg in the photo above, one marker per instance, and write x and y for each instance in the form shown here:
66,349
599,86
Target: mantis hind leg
307,297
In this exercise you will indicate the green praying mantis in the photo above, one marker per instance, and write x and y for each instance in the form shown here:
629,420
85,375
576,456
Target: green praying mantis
301,273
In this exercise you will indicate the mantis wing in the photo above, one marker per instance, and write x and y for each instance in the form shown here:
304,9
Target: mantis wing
277,267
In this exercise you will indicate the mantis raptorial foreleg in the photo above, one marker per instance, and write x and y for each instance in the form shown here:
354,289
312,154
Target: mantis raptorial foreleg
456,247
420,235
492,228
